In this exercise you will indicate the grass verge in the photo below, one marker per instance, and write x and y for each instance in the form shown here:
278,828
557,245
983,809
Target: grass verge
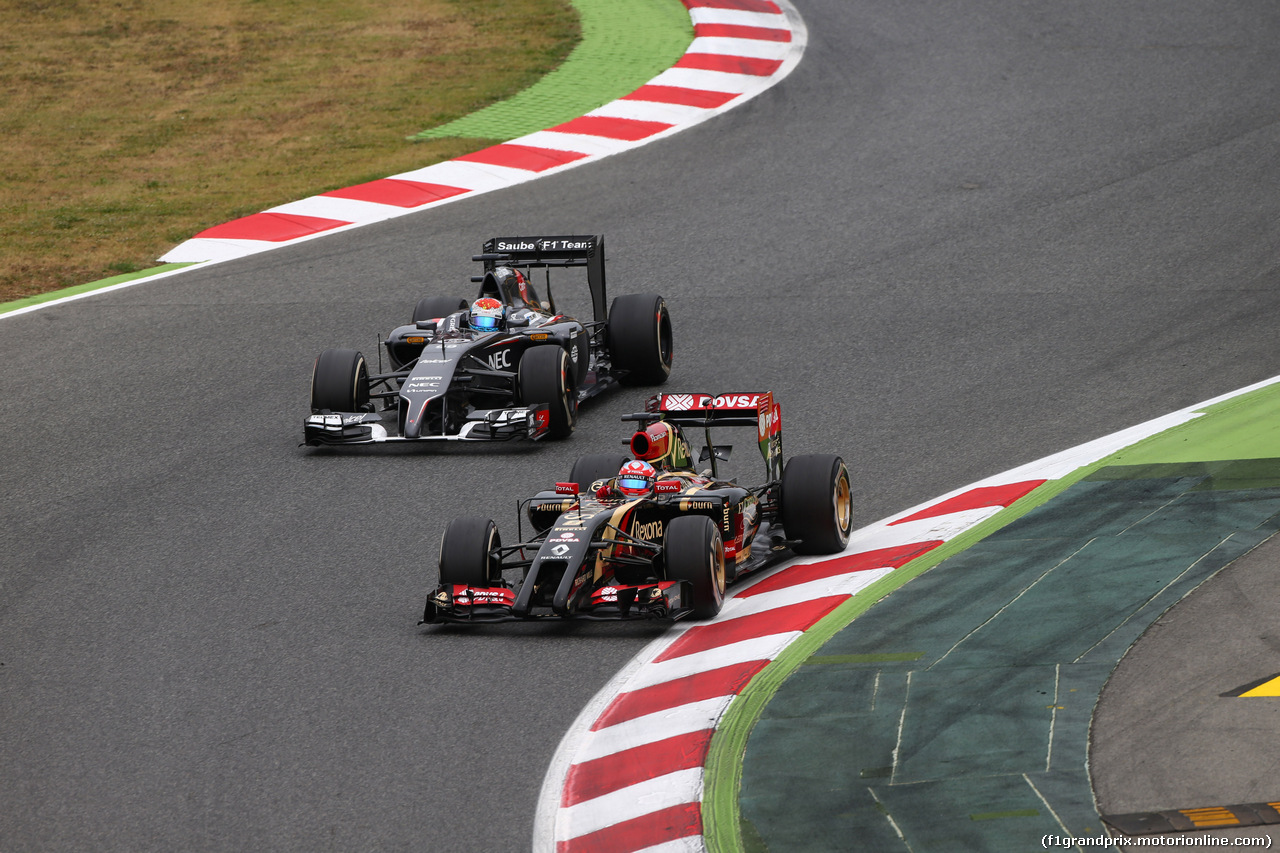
131,126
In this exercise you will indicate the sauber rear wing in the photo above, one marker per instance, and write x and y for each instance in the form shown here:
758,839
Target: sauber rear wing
756,409
540,252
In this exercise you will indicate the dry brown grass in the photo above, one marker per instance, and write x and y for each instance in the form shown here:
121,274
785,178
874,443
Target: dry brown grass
130,125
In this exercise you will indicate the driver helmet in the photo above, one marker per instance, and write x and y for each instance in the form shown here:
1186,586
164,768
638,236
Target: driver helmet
635,479
487,314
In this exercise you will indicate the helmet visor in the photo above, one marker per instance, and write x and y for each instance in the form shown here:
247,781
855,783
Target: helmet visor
635,484
484,324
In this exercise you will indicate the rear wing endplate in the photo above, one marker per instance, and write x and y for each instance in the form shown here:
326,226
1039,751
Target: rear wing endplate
543,252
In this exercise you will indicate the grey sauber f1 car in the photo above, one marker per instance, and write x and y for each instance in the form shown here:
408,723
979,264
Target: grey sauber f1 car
520,375
606,545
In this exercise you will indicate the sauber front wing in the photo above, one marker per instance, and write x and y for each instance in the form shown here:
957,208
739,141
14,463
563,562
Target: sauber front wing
522,422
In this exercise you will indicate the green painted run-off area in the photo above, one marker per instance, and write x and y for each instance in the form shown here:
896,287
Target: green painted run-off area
954,713
625,43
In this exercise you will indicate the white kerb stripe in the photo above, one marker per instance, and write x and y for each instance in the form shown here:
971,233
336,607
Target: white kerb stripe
768,20
673,789
345,209
845,584
751,48
757,648
707,81
470,176
599,146
651,728
651,111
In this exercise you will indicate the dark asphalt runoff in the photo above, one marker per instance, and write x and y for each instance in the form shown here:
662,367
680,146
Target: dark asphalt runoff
959,237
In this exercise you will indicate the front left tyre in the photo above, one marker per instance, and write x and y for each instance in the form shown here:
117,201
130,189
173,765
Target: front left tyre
340,382
694,552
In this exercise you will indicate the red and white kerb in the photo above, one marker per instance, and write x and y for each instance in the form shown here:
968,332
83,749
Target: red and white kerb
740,48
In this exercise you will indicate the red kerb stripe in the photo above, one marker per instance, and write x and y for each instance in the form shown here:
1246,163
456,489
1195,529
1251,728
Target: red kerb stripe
680,95
779,620
613,128
610,773
740,31
271,227
638,833
979,498
725,681
397,192
881,558
525,157
729,64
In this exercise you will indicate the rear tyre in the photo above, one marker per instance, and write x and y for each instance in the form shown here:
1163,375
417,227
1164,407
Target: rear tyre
340,382
695,553
435,307
595,466
816,503
468,553
640,338
545,376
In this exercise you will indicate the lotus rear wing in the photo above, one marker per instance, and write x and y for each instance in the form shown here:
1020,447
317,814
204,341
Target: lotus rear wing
748,409
546,252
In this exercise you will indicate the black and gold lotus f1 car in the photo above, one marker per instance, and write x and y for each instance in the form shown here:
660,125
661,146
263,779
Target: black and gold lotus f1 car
600,551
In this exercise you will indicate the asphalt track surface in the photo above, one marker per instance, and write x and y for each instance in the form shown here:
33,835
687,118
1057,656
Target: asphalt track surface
959,237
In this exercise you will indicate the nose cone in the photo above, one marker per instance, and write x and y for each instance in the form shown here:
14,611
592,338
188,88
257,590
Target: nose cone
413,420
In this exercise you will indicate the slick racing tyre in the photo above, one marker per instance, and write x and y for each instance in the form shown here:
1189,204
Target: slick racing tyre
545,376
595,466
340,382
640,341
816,503
695,553
435,307
469,553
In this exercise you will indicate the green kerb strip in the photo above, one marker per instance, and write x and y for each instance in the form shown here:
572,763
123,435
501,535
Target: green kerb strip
625,43
1243,427
41,298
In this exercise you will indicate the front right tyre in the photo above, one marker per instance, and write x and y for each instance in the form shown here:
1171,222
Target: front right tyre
340,382
469,553
640,338
545,376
